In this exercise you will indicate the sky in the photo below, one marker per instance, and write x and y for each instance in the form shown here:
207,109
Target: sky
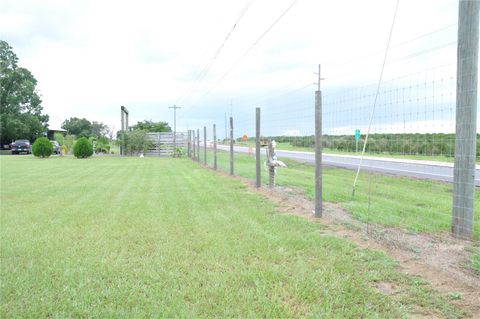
217,58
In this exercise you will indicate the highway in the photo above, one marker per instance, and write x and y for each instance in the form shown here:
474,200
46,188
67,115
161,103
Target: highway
433,170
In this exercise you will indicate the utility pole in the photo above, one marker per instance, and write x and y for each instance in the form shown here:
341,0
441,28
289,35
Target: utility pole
466,119
174,107
318,147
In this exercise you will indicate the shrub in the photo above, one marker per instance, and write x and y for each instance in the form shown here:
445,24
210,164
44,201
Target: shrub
83,148
42,147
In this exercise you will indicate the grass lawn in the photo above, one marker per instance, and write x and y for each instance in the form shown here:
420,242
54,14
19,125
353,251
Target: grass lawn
149,237
415,205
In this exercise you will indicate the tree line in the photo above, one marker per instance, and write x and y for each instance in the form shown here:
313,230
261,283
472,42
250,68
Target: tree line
434,144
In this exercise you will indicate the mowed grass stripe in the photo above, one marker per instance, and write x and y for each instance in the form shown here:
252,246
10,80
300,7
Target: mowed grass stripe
151,237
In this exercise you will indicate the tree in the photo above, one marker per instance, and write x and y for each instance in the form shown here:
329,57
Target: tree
136,142
20,104
79,127
99,129
150,126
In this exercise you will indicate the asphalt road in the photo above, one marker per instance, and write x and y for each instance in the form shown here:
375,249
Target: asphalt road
402,167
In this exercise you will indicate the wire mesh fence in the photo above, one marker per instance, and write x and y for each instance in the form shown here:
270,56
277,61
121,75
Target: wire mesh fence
405,182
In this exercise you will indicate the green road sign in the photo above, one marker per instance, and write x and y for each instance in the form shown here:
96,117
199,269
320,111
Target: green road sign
357,134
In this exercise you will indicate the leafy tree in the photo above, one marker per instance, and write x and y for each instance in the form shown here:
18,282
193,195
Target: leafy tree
79,127
150,126
42,147
99,129
136,142
84,128
20,104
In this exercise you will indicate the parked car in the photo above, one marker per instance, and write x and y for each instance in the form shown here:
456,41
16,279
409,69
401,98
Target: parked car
21,146
56,147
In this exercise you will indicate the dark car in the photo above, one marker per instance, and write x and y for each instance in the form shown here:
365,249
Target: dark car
56,147
21,146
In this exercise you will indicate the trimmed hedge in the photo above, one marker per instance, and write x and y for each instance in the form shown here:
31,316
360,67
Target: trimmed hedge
83,148
42,147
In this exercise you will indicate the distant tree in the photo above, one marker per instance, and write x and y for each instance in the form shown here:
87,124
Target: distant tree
136,142
150,126
79,127
99,129
20,104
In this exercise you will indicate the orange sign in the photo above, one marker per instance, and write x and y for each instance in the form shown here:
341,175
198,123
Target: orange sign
245,137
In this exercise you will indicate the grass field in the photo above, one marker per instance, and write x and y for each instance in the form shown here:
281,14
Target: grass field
412,204
148,237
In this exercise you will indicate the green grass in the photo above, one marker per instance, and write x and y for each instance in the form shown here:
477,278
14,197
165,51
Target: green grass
290,147
412,204
476,261
112,237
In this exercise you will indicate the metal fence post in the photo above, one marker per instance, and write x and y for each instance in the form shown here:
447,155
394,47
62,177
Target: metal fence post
205,145
214,147
257,148
318,153
466,120
231,146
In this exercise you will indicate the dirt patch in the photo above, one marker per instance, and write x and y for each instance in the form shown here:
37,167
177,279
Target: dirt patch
440,259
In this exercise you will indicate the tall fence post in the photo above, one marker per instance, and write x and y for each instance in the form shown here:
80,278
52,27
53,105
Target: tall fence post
214,147
205,145
318,153
257,148
231,146
466,120
198,145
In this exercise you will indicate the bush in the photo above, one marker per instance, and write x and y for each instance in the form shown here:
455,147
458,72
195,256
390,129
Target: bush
83,148
42,147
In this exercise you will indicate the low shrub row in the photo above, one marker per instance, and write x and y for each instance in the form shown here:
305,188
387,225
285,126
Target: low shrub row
42,147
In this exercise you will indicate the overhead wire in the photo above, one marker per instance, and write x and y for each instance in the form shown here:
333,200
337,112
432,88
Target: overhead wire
247,51
201,75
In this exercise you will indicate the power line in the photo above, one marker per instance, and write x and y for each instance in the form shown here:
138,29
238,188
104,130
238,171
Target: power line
201,75
248,50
